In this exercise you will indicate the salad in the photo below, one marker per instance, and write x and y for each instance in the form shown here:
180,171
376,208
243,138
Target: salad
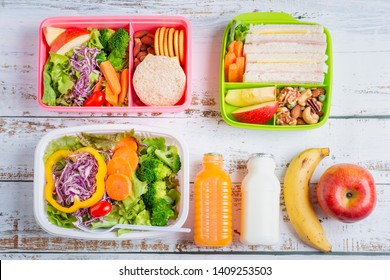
86,67
100,180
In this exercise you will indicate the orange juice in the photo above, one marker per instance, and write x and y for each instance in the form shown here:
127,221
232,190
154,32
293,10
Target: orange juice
213,203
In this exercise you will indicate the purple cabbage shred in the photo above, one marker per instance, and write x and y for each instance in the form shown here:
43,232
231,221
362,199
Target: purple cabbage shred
78,178
84,61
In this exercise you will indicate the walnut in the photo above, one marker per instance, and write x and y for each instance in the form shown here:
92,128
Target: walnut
288,95
284,118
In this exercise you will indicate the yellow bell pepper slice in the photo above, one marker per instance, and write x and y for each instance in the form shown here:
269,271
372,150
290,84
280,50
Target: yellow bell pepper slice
50,187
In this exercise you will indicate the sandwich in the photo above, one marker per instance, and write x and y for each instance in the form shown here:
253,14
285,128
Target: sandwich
285,53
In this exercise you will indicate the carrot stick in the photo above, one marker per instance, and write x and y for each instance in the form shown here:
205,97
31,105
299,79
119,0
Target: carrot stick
238,48
240,61
124,86
119,165
230,58
110,96
233,73
231,46
99,84
118,186
111,76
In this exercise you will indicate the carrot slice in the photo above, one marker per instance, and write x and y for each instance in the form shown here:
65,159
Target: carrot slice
238,48
240,61
119,165
129,142
124,78
128,154
118,186
233,73
111,76
230,58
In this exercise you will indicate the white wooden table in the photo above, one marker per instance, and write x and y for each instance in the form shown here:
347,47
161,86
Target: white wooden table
358,130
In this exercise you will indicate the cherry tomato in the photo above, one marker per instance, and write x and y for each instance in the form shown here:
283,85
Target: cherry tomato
100,209
95,99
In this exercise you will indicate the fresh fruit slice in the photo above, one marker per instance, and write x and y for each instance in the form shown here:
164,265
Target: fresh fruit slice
256,114
250,96
52,33
71,38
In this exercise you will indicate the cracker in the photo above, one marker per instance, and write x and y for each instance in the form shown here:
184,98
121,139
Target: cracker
161,40
181,46
176,42
170,42
156,41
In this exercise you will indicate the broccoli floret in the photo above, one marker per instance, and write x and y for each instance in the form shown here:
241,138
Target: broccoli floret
105,35
152,170
119,41
100,57
94,42
170,157
156,191
161,213
117,60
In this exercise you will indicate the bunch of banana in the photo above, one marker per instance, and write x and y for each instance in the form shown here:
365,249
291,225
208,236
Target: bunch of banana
297,198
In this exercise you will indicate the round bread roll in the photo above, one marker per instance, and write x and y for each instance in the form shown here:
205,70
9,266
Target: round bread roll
159,81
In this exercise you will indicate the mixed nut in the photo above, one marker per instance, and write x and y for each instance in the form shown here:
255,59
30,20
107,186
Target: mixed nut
299,106
143,45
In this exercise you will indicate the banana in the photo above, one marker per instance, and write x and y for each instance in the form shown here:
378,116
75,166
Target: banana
297,198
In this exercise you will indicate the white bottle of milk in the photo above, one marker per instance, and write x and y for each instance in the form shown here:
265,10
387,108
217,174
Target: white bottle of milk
260,197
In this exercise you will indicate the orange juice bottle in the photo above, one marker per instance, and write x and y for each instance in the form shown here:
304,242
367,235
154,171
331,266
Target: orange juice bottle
213,203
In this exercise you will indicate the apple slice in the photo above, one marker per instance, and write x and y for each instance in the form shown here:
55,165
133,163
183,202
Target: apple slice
71,38
250,96
51,33
256,114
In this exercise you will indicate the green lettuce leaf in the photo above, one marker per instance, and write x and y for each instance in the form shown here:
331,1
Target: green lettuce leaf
60,218
64,143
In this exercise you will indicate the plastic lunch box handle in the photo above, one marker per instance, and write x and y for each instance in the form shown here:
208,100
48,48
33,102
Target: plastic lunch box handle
265,16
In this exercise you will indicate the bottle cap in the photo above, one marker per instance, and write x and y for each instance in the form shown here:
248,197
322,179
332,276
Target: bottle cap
262,155
212,156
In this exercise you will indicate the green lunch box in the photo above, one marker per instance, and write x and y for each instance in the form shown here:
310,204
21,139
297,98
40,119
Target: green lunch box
227,109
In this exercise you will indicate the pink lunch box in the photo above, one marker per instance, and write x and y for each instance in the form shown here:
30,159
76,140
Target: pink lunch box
132,24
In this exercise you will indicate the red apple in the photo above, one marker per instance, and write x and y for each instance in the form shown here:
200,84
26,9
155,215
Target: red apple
346,192
256,114
71,38
51,33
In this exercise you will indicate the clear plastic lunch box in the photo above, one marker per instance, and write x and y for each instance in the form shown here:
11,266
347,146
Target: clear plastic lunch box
132,24
227,109
40,181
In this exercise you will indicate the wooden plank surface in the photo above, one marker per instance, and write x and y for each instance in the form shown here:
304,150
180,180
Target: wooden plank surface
358,130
